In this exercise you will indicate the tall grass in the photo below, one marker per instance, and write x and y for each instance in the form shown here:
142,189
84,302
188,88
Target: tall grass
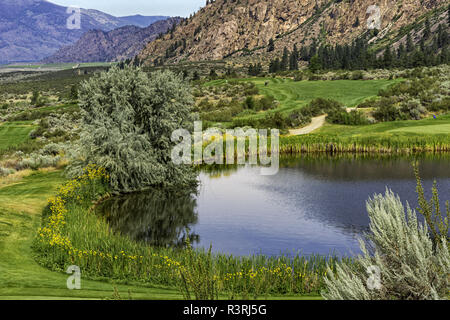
73,234
365,144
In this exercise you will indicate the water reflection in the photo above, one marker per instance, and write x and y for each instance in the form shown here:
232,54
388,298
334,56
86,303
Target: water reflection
313,205
158,217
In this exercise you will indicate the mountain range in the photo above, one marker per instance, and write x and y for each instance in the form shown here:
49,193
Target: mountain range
245,28
31,30
116,45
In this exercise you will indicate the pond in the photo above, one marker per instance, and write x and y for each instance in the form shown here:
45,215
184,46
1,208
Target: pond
314,205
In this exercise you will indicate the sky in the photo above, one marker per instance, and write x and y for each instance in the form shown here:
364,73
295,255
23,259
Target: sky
119,8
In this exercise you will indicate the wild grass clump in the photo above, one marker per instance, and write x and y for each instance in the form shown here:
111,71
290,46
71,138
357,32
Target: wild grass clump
73,234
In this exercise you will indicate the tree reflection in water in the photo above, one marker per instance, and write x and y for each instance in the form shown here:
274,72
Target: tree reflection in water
158,217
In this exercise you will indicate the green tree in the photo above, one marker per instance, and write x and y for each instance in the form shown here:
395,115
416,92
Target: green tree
74,91
427,30
213,74
127,121
388,57
448,15
195,76
293,60
314,64
285,60
409,43
36,99
271,46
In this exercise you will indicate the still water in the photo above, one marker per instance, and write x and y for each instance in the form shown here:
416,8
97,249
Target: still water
314,205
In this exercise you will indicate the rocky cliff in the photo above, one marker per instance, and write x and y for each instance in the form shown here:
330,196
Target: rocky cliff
233,28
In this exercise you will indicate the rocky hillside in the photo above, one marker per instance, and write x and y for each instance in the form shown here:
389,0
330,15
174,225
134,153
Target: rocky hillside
31,30
236,28
116,45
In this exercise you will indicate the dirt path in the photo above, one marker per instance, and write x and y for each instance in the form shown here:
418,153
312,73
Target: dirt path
315,124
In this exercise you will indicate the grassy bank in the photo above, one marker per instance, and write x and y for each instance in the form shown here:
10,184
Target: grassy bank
72,234
22,198
14,133
428,135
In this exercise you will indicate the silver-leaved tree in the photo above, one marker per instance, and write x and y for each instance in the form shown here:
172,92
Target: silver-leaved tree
128,117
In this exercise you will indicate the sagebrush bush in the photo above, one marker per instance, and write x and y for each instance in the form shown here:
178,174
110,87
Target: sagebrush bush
5,172
127,122
410,267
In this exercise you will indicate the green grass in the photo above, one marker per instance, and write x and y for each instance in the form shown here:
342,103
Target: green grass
293,95
21,204
428,135
14,133
428,126
21,277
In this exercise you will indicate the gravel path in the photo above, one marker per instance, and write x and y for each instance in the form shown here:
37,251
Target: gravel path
315,124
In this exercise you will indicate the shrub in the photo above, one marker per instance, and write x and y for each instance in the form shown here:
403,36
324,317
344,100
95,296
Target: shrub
37,100
127,122
274,120
410,268
353,118
441,104
297,119
250,103
266,103
5,172
321,106
357,75
413,109
37,161
386,111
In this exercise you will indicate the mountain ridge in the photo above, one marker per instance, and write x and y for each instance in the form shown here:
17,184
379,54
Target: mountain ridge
115,45
224,28
31,30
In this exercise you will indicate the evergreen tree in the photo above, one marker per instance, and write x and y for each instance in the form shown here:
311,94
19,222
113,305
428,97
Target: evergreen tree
387,57
409,43
275,66
73,92
293,61
448,15
427,30
401,55
314,64
271,46
285,60
195,76
213,74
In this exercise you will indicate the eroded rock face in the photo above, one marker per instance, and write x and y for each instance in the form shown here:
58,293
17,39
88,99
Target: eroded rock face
229,27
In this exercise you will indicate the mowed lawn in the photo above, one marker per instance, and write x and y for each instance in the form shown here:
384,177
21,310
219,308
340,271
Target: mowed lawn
22,198
410,128
293,95
14,133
